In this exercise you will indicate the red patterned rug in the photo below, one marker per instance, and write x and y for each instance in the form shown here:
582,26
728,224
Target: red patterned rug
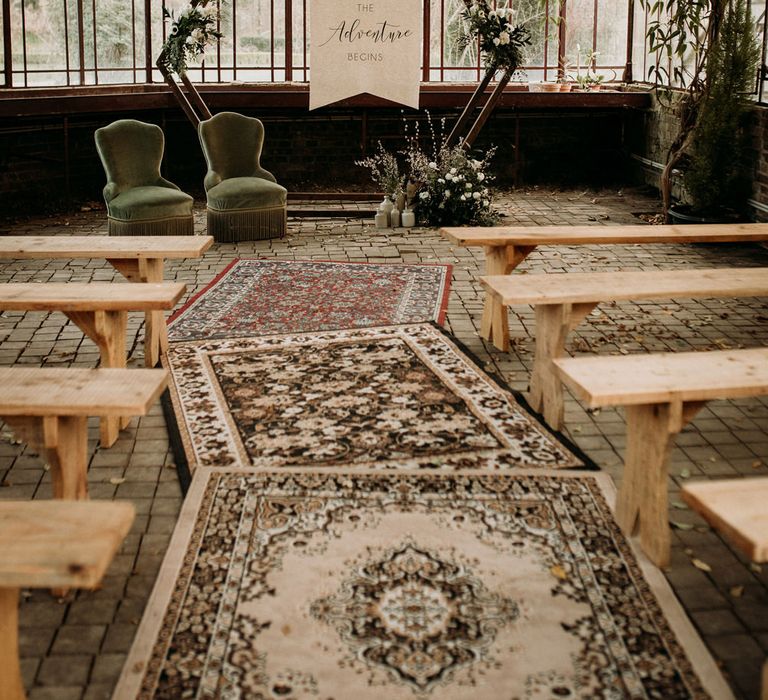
262,297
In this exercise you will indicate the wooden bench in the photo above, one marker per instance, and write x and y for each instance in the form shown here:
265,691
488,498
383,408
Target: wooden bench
46,544
100,309
137,258
49,408
661,393
739,509
507,246
563,300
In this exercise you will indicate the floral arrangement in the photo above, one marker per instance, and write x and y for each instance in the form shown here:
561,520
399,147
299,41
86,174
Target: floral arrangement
445,185
501,41
385,172
190,33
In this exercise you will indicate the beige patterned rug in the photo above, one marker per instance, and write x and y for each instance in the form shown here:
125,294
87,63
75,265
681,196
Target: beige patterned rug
370,586
394,397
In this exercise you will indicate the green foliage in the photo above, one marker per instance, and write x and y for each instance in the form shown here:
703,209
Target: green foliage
716,177
194,29
385,171
501,41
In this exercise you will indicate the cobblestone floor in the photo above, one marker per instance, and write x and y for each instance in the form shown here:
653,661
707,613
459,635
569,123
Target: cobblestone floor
75,648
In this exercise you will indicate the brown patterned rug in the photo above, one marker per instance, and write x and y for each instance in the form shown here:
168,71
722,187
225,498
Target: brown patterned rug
401,397
408,586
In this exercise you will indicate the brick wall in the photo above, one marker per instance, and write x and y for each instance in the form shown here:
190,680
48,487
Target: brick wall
50,163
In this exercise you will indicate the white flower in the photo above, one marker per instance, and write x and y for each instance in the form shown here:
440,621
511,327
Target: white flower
190,40
503,38
448,176
480,177
486,202
424,195
433,166
447,194
496,41
209,10
453,171
459,178
492,13
475,164
441,181
198,35
476,195
468,185
463,198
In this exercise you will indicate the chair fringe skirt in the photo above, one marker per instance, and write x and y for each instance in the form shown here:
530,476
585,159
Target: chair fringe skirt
172,226
228,226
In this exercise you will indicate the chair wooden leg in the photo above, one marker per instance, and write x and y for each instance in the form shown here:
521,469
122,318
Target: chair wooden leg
11,687
108,330
642,502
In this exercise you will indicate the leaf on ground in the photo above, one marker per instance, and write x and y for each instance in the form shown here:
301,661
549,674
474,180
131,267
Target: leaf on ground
679,505
685,473
117,480
701,565
681,526
558,572
736,591
756,568
757,464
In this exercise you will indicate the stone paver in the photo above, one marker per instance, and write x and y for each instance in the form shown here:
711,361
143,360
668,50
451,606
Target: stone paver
74,648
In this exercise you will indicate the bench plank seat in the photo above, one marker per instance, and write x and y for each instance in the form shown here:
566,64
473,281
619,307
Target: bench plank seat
100,310
89,296
51,544
49,409
661,393
736,507
45,544
563,300
508,246
581,287
137,258
105,247
663,377
596,235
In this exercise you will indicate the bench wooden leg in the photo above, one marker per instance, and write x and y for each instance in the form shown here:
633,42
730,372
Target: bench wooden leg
108,330
553,323
642,499
764,691
155,327
499,261
642,502
63,442
11,687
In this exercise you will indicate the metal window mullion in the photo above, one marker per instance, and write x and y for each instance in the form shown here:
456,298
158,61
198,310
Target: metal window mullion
272,40
24,41
148,59
304,30
234,39
7,46
95,59
288,41
425,32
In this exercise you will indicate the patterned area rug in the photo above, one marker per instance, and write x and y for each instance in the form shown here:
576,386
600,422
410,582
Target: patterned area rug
410,586
260,297
393,397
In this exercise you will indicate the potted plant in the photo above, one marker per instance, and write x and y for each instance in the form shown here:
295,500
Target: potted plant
716,58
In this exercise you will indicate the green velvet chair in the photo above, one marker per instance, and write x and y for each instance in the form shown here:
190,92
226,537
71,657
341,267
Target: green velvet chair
140,202
245,203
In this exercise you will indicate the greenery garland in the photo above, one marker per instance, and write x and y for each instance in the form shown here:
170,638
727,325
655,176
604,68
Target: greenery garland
190,34
501,41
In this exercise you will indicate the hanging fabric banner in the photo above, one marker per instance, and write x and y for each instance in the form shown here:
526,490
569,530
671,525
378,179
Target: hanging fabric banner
372,47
